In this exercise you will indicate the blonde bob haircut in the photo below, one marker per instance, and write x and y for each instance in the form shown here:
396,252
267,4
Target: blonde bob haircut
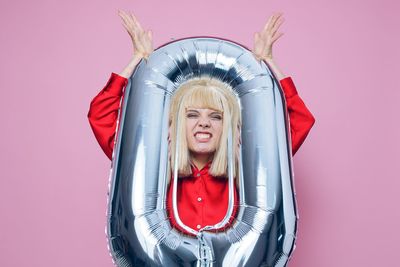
208,93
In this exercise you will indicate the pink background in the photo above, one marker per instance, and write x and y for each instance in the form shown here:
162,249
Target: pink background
57,55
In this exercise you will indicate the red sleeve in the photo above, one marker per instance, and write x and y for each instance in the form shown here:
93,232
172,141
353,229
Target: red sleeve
103,112
301,119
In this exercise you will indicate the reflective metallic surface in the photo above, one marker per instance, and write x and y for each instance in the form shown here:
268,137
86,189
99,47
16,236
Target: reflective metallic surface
139,232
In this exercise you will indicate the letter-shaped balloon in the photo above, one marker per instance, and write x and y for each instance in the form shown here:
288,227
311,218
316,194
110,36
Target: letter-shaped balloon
138,229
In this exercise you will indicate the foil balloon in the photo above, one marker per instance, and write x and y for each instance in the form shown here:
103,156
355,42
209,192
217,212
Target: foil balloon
138,229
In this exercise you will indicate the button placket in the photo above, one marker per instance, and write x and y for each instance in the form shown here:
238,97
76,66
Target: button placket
200,199
199,185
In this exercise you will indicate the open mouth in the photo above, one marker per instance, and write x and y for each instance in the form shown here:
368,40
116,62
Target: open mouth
202,137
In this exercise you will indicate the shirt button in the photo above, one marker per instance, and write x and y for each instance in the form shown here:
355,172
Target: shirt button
198,226
198,175
199,199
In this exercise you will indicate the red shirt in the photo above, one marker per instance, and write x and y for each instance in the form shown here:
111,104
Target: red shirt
202,198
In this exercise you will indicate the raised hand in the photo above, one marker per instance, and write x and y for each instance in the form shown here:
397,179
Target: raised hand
264,39
142,40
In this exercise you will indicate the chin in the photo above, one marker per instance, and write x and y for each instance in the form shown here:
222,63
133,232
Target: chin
203,151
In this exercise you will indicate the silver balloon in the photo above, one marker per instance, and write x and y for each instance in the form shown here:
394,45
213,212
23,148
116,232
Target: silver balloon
139,232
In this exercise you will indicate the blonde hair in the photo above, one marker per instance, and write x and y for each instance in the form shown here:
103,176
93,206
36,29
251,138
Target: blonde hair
205,93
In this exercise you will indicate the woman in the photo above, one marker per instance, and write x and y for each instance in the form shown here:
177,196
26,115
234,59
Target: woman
202,192
205,109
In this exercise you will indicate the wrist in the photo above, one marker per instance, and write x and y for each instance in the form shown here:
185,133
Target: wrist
137,57
140,55
268,59
274,68
128,70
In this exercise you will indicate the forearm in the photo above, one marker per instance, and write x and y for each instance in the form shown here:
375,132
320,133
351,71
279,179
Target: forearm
128,70
103,112
300,118
275,69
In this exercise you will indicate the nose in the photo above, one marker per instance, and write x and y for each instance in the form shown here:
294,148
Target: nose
204,122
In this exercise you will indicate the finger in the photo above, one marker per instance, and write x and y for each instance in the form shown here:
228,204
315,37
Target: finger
256,37
268,23
265,31
275,18
131,19
131,22
124,20
127,20
139,48
272,27
149,42
146,35
125,24
127,29
265,34
276,26
276,37
137,24
150,34
141,39
258,42
122,14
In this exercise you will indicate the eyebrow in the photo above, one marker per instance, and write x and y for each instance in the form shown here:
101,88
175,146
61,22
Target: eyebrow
214,112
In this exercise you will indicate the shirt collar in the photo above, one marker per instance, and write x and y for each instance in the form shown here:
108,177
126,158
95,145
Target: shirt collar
204,170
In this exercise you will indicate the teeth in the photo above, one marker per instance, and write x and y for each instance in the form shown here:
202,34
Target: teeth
203,135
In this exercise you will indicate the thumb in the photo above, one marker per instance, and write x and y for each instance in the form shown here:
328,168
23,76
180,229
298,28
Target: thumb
256,36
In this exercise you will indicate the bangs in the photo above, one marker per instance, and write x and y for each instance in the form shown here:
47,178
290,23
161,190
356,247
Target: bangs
203,97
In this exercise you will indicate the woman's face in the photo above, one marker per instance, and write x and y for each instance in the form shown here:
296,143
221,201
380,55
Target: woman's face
203,130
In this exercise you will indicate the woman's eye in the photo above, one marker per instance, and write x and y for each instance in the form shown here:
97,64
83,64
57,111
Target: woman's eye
216,117
191,115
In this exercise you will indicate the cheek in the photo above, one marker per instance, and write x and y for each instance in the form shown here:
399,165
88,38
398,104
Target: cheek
218,130
189,127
